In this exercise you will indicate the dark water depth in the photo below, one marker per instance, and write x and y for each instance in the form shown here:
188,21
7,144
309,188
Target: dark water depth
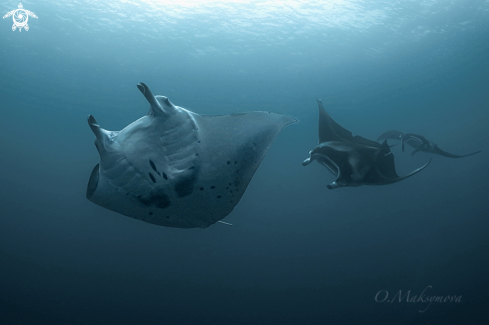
297,253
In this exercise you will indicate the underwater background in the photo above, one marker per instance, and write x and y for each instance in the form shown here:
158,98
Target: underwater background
297,253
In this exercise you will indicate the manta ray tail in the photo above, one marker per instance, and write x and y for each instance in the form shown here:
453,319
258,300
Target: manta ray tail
225,223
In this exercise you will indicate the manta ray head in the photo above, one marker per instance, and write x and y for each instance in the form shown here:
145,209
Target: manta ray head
341,161
151,162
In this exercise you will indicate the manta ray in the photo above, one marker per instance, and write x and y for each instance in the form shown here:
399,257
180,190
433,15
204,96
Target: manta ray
354,160
176,168
419,143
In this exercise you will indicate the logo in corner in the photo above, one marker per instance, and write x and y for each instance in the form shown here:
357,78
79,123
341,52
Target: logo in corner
20,17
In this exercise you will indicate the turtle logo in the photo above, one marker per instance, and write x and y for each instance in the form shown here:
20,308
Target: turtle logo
20,17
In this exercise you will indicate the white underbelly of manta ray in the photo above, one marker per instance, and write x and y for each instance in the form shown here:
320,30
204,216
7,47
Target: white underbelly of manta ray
177,168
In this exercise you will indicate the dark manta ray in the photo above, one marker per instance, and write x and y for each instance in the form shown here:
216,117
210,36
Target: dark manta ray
176,168
419,143
354,160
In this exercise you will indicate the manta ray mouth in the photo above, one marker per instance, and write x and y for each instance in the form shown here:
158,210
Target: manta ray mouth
93,182
328,163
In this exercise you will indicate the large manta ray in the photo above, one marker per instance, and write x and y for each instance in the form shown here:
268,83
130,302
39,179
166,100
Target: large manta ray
177,168
419,143
354,160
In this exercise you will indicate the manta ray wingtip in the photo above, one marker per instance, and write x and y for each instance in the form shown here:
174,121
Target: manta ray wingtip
417,170
291,120
320,103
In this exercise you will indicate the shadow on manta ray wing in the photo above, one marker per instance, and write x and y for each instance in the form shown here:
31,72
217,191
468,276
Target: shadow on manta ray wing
354,160
419,143
177,168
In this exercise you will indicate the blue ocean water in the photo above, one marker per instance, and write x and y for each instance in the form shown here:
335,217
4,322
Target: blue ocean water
297,253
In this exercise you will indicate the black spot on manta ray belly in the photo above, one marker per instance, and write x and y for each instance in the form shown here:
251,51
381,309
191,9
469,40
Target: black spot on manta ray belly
185,183
153,165
158,200
152,177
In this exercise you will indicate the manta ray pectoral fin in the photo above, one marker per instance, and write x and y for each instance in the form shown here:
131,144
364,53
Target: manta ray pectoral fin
450,155
395,180
93,181
328,129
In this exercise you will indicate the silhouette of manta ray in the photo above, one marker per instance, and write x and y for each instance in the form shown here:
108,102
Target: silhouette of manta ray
419,143
354,160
